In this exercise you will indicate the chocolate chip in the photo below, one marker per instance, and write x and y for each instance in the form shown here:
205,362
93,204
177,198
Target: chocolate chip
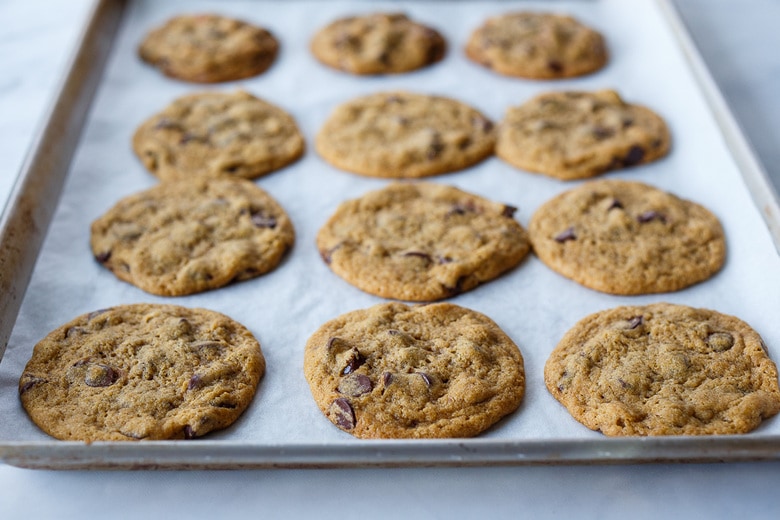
636,321
419,254
99,375
443,259
508,211
720,341
354,361
462,208
434,150
32,381
482,123
623,384
224,404
332,342
426,378
195,382
459,284
103,257
650,215
567,234
189,433
602,133
262,221
555,66
387,378
342,414
628,122
355,385
616,204
634,156
327,255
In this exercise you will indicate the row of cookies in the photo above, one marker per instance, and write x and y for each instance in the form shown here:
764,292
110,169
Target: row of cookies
566,135
147,372
210,48
410,241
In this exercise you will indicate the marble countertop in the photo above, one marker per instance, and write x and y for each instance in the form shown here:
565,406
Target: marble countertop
738,40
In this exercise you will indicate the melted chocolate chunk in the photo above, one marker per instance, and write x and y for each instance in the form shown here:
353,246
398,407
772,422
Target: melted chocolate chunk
616,204
189,433
195,382
99,375
567,234
387,378
103,257
601,133
354,361
355,385
555,66
636,321
482,123
342,414
262,221
418,254
31,382
508,211
426,379
650,215
634,156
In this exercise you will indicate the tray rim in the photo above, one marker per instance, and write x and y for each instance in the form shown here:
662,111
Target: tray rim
66,117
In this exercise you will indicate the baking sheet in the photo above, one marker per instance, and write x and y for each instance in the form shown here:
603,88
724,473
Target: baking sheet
531,303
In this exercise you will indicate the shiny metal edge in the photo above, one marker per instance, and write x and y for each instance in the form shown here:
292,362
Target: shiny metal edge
35,194
391,453
23,228
761,189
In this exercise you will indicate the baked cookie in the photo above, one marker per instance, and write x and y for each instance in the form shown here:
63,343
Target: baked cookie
627,238
185,237
421,241
141,371
664,370
574,135
405,135
377,44
537,46
393,371
209,48
214,133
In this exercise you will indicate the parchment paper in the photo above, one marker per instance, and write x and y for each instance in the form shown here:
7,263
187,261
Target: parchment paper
531,303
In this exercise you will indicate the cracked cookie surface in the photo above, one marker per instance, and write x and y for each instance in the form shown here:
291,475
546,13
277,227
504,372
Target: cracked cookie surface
215,133
431,371
141,372
405,135
186,237
421,241
664,369
537,46
208,48
627,238
377,43
575,135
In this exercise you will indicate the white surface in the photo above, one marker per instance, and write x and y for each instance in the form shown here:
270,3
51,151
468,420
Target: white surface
645,491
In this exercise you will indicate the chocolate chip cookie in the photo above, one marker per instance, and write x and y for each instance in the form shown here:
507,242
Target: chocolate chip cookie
208,48
215,133
627,238
405,135
421,241
141,372
574,135
184,237
378,43
537,46
393,371
664,369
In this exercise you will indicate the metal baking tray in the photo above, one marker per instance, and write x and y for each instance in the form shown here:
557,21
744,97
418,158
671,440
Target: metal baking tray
106,93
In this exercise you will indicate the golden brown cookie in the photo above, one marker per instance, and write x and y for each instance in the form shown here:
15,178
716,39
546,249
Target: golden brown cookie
208,48
405,135
664,369
574,135
623,237
213,133
421,241
141,371
184,237
393,371
378,43
537,46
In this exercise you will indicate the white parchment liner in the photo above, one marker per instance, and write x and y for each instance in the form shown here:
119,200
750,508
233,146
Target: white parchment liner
531,303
